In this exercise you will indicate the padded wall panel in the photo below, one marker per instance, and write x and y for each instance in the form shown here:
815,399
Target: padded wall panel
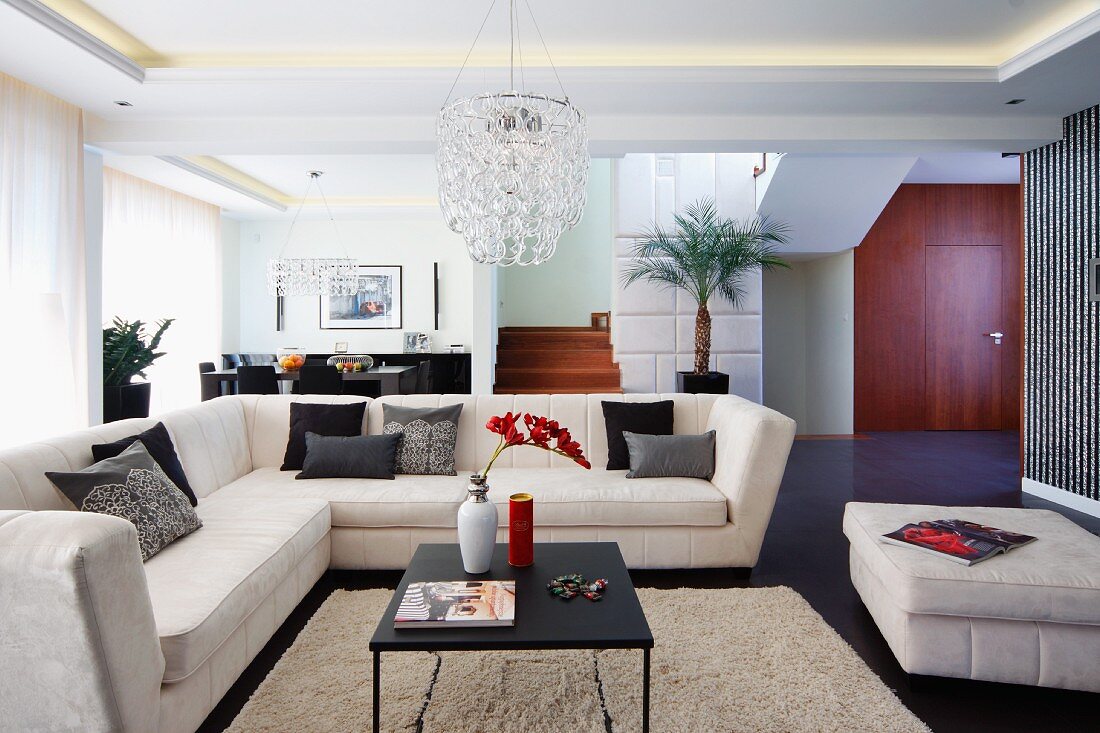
653,329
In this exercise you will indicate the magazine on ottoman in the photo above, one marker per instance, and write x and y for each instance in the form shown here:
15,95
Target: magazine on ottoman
958,540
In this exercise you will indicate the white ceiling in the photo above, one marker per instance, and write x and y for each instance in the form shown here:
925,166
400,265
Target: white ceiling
582,32
274,87
392,177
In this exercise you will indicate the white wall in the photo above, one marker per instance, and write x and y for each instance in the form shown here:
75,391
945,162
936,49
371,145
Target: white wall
784,325
809,343
654,330
229,300
93,283
574,283
830,344
414,244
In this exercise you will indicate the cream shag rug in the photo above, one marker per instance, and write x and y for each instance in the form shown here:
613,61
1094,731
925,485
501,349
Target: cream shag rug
741,659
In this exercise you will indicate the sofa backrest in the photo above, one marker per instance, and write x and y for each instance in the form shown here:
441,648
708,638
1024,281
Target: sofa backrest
23,484
268,418
221,440
211,439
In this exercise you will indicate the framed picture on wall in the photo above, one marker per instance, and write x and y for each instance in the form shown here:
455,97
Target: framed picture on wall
376,305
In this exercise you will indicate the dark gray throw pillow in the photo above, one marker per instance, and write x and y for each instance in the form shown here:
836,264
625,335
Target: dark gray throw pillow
132,486
428,438
361,456
664,456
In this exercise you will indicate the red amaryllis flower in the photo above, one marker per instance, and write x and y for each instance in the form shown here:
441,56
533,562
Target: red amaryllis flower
501,425
542,430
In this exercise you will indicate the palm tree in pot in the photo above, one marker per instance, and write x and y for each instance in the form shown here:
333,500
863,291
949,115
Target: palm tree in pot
707,256
127,352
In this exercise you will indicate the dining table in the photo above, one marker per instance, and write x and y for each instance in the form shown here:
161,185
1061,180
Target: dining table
392,379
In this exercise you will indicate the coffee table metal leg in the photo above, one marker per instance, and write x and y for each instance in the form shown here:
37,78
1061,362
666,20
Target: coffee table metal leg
645,691
378,686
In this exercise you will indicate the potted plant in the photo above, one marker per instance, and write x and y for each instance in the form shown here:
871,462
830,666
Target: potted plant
127,352
708,256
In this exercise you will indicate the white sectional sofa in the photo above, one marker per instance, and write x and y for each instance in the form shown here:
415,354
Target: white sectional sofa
93,639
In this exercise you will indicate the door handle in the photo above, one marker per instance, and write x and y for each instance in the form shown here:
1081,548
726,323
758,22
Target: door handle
997,336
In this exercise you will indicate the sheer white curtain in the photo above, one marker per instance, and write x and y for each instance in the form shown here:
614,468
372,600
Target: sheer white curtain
161,260
43,317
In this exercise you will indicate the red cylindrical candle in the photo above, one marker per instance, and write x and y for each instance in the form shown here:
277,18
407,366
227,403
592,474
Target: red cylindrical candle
521,530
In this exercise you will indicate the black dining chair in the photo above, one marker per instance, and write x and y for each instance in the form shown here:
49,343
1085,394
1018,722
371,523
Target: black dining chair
314,379
224,388
257,380
424,377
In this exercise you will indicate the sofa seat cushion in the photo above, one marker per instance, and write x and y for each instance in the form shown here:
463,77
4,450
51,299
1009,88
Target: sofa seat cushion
206,584
1056,578
563,497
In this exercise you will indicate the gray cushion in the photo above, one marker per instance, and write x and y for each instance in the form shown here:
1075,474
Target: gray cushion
428,438
361,456
132,486
662,456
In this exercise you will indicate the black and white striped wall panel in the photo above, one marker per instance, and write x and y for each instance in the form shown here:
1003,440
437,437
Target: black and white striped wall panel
1061,324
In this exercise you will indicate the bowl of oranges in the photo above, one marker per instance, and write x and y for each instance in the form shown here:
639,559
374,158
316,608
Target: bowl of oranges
291,360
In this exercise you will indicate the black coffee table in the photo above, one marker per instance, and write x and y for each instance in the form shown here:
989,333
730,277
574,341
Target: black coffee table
542,621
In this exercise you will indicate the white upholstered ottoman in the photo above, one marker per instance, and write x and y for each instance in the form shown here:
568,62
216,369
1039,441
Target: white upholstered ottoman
1029,617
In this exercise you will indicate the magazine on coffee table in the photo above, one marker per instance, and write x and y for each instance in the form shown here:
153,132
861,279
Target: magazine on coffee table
457,604
957,539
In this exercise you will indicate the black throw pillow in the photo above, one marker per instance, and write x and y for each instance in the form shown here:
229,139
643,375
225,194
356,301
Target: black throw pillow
159,444
360,456
309,417
648,418
134,487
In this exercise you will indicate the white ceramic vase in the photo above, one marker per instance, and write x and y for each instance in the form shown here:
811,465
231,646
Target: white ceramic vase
477,528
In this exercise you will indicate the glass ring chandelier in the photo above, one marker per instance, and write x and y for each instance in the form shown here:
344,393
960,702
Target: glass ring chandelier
513,165
312,275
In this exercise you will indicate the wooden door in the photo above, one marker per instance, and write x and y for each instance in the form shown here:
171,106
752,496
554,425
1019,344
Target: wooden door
963,305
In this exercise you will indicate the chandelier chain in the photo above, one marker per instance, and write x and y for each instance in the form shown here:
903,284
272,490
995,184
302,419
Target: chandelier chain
469,52
331,218
545,48
297,213
519,49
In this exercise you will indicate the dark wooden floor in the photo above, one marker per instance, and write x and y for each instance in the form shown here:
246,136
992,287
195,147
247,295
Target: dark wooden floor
806,550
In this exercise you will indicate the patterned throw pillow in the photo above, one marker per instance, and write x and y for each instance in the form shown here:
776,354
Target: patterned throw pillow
134,487
428,438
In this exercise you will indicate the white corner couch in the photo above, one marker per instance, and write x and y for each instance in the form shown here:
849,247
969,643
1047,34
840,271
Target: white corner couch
91,639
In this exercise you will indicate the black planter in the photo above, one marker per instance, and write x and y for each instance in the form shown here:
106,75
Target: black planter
128,400
709,383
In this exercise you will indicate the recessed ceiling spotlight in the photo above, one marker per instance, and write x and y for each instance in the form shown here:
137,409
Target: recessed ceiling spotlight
1016,101
124,103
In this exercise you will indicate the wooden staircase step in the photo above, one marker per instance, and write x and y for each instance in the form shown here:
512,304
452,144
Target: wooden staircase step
552,378
575,389
563,358
550,329
591,341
